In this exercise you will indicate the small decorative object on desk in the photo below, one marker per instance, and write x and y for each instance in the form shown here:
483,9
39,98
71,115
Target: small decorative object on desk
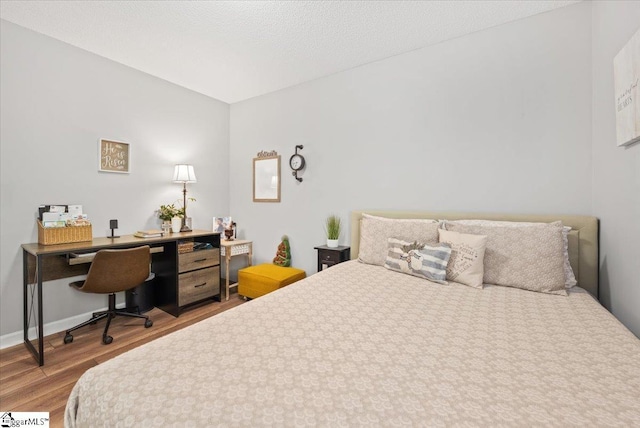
332,228
152,233
173,216
176,224
167,212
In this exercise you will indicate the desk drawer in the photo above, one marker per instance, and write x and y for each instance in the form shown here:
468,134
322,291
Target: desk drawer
198,260
198,285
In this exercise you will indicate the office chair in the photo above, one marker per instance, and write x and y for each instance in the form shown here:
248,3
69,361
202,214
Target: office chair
112,271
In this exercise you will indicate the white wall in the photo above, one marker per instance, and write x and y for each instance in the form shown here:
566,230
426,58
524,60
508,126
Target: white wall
57,101
616,170
494,121
497,121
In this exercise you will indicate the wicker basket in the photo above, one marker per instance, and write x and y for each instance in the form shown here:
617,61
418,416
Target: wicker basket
63,235
185,247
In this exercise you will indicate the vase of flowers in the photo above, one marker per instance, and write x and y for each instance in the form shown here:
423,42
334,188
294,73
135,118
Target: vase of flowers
170,216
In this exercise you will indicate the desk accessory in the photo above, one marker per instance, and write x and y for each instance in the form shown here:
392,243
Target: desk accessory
184,174
113,224
53,216
75,211
63,235
50,209
148,234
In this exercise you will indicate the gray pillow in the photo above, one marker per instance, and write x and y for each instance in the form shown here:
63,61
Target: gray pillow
417,259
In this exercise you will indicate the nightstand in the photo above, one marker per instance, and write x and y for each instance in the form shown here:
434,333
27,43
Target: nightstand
329,256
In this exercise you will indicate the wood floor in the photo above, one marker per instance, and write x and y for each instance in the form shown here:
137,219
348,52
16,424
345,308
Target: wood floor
24,386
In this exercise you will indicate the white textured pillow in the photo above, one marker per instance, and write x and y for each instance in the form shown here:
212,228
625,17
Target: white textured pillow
375,232
529,257
569,276
417,259
467,256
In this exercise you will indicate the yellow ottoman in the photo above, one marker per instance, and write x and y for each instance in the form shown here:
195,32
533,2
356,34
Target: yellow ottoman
256,281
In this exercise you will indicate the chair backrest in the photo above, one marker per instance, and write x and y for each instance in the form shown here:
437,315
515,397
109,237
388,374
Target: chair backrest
117,270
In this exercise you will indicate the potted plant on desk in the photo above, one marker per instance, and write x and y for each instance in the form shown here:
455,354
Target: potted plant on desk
167,213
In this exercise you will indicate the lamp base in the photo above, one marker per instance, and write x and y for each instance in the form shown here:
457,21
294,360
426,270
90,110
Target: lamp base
186,224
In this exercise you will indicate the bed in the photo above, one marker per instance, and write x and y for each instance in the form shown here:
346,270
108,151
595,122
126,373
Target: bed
361,345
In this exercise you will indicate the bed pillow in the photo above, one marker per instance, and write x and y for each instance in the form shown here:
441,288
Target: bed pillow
467,256
569,276
417,259
529,257
375,231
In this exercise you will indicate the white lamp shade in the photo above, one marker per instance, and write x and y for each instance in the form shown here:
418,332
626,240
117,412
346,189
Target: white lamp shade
184,174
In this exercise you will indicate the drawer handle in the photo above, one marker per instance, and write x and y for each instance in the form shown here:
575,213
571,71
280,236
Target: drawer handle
327,257
200,285
200,260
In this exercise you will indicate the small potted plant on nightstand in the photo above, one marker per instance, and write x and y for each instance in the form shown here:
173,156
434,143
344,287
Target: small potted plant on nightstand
332,228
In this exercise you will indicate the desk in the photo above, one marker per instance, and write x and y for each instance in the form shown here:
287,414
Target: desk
229,249
48,262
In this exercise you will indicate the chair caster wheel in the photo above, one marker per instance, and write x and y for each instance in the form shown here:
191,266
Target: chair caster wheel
107,340
148,323
68,338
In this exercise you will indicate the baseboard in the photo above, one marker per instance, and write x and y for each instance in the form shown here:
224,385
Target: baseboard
16,338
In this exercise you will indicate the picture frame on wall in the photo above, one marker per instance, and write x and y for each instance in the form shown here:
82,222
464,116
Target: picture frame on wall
626,76
114,156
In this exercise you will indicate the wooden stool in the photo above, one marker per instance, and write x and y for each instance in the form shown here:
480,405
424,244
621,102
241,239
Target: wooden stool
256,281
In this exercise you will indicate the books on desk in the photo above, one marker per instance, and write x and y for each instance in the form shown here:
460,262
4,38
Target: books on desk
153,233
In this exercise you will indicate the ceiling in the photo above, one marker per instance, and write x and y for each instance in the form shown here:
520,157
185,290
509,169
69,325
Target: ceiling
234,50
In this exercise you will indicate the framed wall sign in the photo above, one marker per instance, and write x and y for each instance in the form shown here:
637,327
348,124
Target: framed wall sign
626,76
266,177
114,156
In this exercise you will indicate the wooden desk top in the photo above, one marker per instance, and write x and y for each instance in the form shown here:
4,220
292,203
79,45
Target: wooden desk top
98,243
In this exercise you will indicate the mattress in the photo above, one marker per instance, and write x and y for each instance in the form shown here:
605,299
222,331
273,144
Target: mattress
359,345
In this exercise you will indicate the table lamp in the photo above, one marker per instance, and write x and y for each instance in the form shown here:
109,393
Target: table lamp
184,174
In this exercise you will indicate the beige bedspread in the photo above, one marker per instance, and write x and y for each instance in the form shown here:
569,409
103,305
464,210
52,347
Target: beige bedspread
358,345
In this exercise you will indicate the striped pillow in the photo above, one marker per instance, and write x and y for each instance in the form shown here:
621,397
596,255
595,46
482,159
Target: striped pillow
417,259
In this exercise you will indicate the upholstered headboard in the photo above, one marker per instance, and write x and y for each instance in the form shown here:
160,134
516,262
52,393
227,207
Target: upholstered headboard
583,238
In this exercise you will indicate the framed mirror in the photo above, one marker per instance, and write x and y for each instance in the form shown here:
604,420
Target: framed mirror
266,179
